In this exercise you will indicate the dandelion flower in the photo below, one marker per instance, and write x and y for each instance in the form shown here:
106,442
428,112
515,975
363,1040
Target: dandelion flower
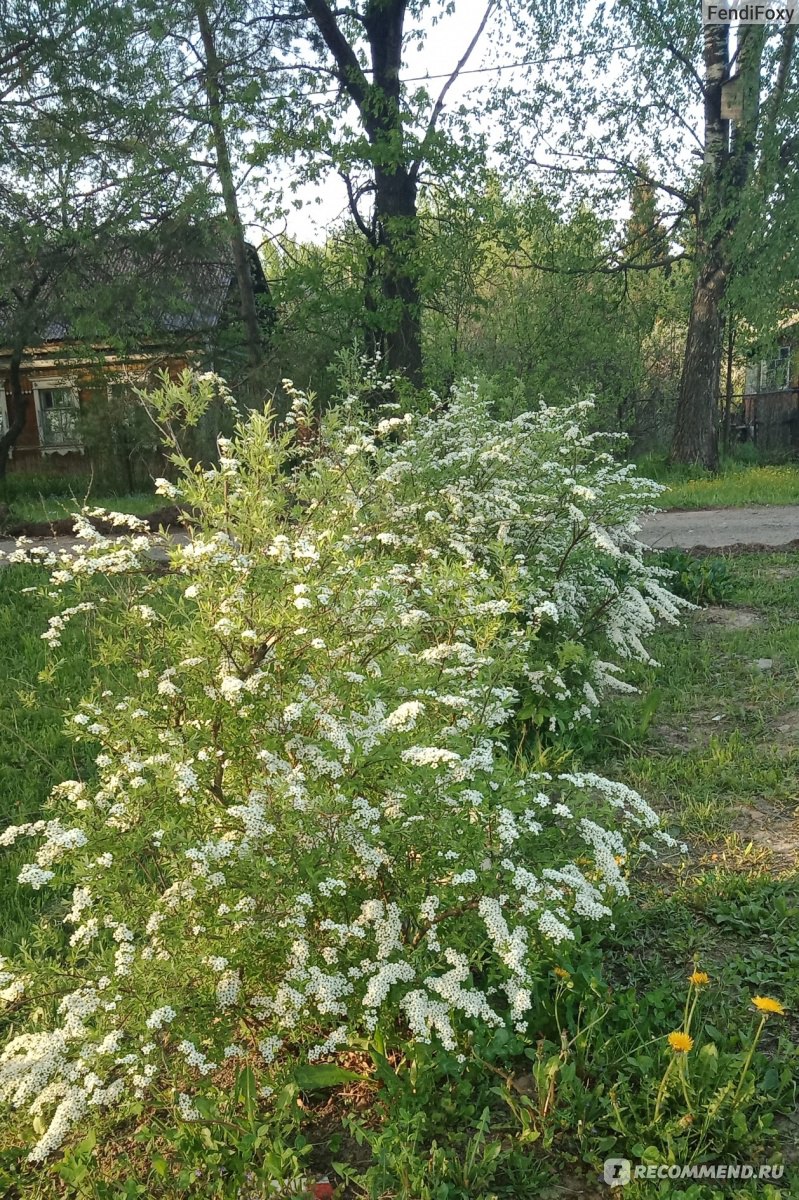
562,973
699,978
680,1042
766,1004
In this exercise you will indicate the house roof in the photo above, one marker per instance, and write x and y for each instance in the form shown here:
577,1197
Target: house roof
138,288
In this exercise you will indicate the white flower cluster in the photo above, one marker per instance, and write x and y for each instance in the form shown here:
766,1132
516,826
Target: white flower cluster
303,813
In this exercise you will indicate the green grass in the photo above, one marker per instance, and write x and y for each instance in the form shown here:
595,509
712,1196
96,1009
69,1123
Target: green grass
51,508
736,485
35,753
712,736
714,745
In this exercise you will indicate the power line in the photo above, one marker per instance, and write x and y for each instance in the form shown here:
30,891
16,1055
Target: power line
513,66
528,62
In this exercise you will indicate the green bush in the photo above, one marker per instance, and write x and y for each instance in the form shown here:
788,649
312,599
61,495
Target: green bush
702,581
309,874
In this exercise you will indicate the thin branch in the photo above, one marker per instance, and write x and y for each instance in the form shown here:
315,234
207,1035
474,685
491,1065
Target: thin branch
614,268
618,165
354,197
675,52
773,102
439,104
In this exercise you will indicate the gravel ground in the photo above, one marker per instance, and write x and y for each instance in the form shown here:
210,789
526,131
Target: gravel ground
719,528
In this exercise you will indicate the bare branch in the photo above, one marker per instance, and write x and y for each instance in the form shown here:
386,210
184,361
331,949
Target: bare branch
439,104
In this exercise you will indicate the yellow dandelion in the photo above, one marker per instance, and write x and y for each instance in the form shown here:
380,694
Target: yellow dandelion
766,1004
562,973
699,978
680,1042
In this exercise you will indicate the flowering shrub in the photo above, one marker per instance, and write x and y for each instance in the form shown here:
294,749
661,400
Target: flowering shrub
305,831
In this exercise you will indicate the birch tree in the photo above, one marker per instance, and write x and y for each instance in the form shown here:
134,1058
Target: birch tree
711,110
740,157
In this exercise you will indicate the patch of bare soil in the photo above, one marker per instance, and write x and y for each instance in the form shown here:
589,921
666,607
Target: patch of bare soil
782,573
789,1141
700,726
743,548
688,737
771,829
576,1187
786,728
728,618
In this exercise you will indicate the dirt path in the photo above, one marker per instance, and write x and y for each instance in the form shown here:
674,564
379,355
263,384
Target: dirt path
759,525
710,528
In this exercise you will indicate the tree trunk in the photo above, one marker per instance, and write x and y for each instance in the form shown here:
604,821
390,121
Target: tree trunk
244,280
695,439
16,410
726,173
727,435
397,249
695,432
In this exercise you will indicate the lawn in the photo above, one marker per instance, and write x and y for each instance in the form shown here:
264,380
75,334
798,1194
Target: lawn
736,485
713,742
35,751
32,507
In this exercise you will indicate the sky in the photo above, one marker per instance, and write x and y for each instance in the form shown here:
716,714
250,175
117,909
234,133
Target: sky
323,204
445,42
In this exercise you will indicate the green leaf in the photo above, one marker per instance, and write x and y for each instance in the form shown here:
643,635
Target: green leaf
771,1080
245,1090
160,1166
88,1143
323,1075
207,1139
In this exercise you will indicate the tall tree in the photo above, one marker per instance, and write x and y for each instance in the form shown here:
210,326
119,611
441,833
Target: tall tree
85,162
664,87
738,142
213,78
397,143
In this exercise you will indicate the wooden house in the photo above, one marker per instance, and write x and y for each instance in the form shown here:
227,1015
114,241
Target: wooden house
189,300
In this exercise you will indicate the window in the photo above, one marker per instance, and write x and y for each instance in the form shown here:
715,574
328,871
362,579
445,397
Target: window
775,373
57,413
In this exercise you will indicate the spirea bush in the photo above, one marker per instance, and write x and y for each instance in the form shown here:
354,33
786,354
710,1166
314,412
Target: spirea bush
305,831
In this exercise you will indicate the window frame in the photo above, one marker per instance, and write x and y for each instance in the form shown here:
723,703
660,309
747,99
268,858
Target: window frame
767,376
53,383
